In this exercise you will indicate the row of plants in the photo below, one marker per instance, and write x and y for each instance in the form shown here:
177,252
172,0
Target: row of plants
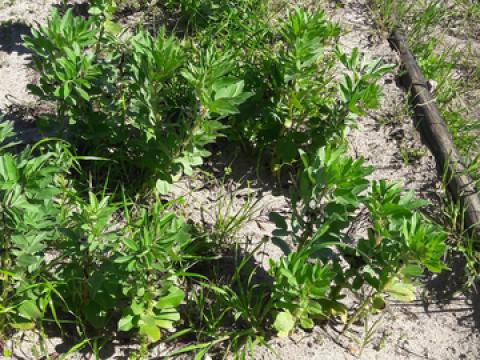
154,103
91,245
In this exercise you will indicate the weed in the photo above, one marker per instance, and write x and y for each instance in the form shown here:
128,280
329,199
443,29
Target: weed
229,217
369,332
410,155
233,309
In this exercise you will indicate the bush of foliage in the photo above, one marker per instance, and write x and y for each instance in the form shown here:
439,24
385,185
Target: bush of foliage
154,104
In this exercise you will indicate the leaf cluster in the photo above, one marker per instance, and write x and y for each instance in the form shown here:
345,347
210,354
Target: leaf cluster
326,264
148,102
69,257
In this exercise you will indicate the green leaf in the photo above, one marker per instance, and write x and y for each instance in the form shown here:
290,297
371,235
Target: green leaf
112,27
82,93
378,302
228,88
306,323
169,314
284,323
131,244
149,328
23,325
124,259
94,11
412,270
401,291
164,324
223,107
29,310
137,308
26,260
66,89
125,323
163,187
173,299
8,168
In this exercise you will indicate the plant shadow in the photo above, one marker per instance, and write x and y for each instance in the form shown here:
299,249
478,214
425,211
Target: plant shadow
245,168
78,8
11,41
444,289
24,119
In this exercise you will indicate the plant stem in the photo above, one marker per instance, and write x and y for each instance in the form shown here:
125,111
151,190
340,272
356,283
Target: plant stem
358,311
5,256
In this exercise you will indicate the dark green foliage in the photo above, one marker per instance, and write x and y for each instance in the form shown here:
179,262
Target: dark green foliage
399,246
302,292
295,105
107,268
154,252
452,74
133,99
67,256
155,102
29,183
298,102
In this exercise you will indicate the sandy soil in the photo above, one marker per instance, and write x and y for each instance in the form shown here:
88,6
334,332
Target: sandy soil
438,326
